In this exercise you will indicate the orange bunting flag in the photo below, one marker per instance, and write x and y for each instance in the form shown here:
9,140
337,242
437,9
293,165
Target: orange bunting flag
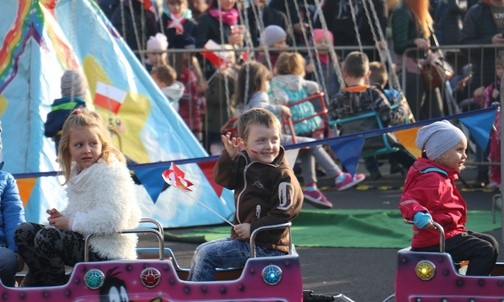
407,139
175,177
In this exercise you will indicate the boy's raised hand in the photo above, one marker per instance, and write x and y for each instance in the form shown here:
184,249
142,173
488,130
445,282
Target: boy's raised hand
233,145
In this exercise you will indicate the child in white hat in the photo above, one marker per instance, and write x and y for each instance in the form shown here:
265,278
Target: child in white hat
430,195
156,51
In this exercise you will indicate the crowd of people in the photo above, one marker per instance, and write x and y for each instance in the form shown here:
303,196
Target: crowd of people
409,30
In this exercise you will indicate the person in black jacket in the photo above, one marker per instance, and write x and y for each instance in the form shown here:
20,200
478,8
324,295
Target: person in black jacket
178,27
297,15
135,21
225,13
338,16
259,16
480,27
448,16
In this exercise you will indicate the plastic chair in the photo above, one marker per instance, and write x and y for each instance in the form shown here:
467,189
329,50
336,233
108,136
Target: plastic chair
318,102
157,232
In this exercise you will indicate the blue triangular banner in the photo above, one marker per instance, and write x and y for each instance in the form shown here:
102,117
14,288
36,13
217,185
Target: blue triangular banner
348,151
151,179
479,126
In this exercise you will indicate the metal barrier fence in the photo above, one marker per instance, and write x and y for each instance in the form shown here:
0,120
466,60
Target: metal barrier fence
474,66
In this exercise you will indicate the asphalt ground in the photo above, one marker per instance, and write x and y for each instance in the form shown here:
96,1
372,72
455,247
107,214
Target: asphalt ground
360,274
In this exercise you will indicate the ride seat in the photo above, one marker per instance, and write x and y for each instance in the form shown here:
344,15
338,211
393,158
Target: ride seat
319,104
385,143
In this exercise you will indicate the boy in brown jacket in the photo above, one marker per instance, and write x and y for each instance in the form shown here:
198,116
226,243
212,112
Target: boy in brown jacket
266,193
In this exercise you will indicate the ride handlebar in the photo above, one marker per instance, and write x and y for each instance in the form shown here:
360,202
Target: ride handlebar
441,233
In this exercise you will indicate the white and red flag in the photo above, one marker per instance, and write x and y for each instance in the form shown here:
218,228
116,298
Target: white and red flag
218,58
176,177
109,97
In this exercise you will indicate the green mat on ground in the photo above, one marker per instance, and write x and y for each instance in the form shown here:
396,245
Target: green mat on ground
346,228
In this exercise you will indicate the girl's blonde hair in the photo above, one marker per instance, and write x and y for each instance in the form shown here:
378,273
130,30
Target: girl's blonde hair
84,118
256,74
420,10
290,63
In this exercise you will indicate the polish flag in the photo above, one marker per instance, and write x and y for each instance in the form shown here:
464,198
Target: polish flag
109,97
217,58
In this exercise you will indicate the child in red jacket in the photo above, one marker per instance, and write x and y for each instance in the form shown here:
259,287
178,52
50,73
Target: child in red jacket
430,194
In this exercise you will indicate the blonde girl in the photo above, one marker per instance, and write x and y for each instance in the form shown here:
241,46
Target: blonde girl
101,201
289,86
252,89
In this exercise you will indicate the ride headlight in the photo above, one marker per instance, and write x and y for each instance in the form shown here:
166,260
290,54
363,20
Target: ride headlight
425,270
272,274
94,278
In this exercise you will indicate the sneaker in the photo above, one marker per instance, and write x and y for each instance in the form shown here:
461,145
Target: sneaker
493,185
350,181
317,199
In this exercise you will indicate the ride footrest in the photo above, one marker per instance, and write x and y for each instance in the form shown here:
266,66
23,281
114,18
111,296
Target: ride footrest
309,296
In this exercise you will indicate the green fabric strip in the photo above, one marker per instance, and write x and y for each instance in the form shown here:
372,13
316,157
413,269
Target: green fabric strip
64,106
349,228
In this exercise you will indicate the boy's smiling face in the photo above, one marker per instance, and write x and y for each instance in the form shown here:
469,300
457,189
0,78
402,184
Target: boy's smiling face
262,143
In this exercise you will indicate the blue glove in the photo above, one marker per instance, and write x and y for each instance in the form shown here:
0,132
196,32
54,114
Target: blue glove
421,219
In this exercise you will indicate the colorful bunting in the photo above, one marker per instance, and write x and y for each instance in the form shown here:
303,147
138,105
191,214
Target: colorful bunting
348,150
407,138
25,186
479,126
149,176
207,169
291,156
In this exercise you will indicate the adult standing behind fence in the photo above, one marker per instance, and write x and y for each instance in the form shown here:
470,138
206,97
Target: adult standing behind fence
259,16
483,24
221,12
136,22
340,21
411,28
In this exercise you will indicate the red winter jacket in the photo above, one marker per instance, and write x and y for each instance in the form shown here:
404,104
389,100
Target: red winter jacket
434,192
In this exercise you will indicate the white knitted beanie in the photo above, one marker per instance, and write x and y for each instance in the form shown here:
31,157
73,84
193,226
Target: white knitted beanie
438,137
159,42
272,34
73,83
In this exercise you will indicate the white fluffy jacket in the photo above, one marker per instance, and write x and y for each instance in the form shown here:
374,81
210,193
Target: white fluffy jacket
102,200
